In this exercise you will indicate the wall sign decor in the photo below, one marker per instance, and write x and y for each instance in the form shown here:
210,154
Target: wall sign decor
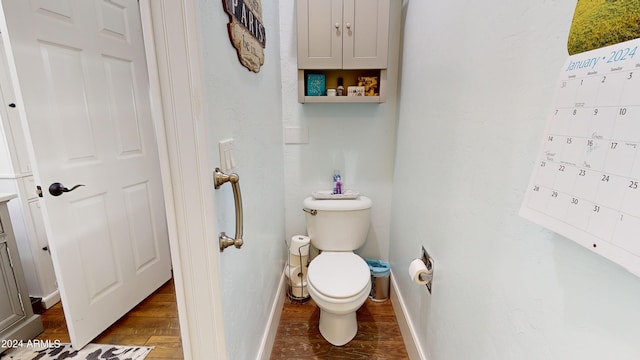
246,31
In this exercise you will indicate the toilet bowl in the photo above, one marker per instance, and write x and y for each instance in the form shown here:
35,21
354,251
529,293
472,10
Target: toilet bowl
339,283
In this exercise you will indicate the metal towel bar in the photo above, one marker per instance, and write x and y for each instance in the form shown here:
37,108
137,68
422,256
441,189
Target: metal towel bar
220,178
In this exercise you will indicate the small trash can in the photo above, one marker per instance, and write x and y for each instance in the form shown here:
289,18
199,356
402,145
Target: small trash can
380,272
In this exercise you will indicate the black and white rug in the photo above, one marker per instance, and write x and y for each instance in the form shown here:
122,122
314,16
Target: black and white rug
89,352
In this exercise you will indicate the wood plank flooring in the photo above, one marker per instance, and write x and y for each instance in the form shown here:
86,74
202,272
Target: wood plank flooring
378,335
154,322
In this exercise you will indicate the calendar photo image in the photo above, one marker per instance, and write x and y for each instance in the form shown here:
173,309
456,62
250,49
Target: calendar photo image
600,23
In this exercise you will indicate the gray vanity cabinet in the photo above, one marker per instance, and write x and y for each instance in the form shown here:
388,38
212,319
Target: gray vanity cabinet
17,320
11,310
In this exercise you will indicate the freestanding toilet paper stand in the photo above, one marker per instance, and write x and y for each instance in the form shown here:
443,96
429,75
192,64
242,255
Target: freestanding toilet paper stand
296,272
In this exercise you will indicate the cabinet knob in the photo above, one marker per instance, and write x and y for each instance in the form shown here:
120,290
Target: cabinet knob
337,25
348,25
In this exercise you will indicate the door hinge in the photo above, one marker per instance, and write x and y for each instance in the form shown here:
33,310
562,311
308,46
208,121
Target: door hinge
39,191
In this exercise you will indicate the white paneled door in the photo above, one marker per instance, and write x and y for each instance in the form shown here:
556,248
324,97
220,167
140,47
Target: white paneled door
80,75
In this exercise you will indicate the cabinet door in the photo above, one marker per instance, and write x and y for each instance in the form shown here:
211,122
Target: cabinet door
320,29
366,34
10,305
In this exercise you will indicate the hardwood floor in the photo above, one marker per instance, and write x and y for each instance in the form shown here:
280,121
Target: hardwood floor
299,338
154,322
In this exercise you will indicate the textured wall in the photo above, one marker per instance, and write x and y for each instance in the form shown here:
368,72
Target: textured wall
477,82
246,107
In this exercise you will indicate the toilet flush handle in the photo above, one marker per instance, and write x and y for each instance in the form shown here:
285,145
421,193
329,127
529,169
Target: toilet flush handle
310,211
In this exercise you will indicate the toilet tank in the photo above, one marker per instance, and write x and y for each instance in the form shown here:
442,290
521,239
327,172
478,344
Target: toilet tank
338,225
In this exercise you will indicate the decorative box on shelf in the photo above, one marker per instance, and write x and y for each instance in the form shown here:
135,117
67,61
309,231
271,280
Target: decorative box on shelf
316,85
370,84
355,90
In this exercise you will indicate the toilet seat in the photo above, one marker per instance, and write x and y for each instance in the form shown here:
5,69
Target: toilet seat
338,275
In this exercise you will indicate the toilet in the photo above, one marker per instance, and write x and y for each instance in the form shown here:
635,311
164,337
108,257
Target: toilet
338,280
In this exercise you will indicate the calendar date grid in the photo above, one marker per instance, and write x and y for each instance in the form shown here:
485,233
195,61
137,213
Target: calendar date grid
566,201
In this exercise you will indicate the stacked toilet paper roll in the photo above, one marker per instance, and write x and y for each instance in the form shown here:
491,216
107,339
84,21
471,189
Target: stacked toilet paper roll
297,281
296,269
299,245
299,251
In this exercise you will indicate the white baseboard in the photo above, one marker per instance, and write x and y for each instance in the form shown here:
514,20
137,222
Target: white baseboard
269,337
406,325
51,299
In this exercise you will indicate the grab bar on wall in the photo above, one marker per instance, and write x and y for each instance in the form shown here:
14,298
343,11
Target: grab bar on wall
220,178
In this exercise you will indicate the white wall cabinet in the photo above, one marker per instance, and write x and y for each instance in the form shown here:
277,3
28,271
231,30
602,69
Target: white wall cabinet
17,320
344,39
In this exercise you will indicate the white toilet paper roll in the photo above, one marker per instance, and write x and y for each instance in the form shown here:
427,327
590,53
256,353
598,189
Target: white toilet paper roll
300,291
299,261
299,245
296,279
287,272
419,273
292,272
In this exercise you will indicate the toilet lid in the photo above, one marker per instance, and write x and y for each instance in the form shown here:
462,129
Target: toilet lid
338,274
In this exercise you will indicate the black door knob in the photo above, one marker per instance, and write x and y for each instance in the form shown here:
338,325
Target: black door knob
57,189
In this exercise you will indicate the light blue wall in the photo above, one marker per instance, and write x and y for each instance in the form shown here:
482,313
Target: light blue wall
477,82
246,106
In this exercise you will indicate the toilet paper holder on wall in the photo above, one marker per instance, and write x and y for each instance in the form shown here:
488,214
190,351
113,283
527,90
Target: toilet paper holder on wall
428,262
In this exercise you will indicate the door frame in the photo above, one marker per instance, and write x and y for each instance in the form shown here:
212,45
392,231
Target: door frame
170,30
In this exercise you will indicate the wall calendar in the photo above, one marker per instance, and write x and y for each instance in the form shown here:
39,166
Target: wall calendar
585,183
